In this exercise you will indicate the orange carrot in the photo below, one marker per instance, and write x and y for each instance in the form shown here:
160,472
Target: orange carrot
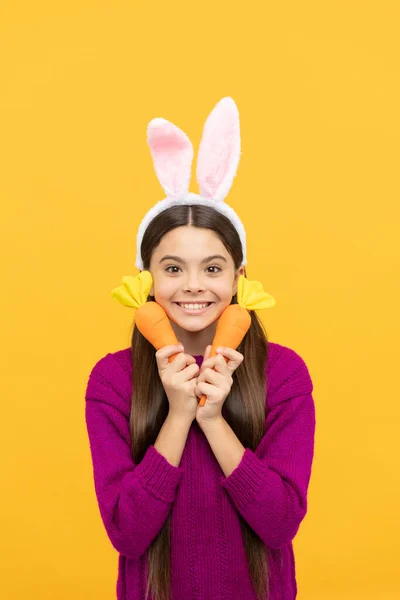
152,322
232,326
150,317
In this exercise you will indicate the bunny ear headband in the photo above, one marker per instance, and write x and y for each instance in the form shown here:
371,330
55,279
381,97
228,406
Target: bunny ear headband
217,163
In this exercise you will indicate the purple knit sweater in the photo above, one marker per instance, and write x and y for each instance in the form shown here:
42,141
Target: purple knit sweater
268,488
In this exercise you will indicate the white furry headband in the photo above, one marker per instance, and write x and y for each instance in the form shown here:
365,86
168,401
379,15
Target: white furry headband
217,163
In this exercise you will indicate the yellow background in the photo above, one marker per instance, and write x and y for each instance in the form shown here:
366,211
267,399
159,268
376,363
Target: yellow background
317,86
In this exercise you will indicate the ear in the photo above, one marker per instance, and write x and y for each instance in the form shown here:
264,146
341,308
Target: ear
219,151
172,154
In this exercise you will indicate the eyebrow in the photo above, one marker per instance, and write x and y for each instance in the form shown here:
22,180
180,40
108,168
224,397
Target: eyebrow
178,259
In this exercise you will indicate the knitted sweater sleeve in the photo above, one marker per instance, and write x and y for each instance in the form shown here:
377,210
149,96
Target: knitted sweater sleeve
134,500
269,486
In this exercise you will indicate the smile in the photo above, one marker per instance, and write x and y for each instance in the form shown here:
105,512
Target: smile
194,311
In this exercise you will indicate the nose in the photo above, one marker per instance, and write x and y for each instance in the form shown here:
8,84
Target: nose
194,284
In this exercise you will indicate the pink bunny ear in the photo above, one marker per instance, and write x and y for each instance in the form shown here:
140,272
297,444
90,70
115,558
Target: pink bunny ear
172,154
219,151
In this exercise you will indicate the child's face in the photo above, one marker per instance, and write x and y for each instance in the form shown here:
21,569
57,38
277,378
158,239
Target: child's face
193,280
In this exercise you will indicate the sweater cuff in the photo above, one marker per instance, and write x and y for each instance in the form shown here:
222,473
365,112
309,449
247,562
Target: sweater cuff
158,475
244,482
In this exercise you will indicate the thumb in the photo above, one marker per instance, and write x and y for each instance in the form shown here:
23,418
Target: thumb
206,355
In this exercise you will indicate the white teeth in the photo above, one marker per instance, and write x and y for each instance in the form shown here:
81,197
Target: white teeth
194,306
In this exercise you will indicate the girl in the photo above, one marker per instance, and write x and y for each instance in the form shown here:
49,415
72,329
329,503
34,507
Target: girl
200,502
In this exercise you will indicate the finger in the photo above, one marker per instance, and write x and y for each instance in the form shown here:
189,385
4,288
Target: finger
231,356
207,353
218,359
205,388
224,366
180,361
166,351
206,356
190,372
163,354
213,377
209,360
230,352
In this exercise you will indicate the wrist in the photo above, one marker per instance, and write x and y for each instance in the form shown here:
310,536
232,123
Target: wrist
209,424
179,419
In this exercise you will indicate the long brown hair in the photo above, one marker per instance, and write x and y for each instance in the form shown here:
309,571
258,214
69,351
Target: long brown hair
244,408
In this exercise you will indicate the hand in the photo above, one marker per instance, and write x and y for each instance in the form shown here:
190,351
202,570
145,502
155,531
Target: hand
215,384
179,380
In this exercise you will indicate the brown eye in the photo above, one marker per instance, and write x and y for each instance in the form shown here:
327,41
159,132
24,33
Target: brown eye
176,267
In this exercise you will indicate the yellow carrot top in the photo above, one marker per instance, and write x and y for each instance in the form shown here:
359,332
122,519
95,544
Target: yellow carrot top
250,295
134,292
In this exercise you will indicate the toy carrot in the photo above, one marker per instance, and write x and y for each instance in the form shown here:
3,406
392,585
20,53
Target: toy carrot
235,320
154,324
150,317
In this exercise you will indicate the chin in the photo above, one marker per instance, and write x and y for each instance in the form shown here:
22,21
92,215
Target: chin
191,326
197,324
